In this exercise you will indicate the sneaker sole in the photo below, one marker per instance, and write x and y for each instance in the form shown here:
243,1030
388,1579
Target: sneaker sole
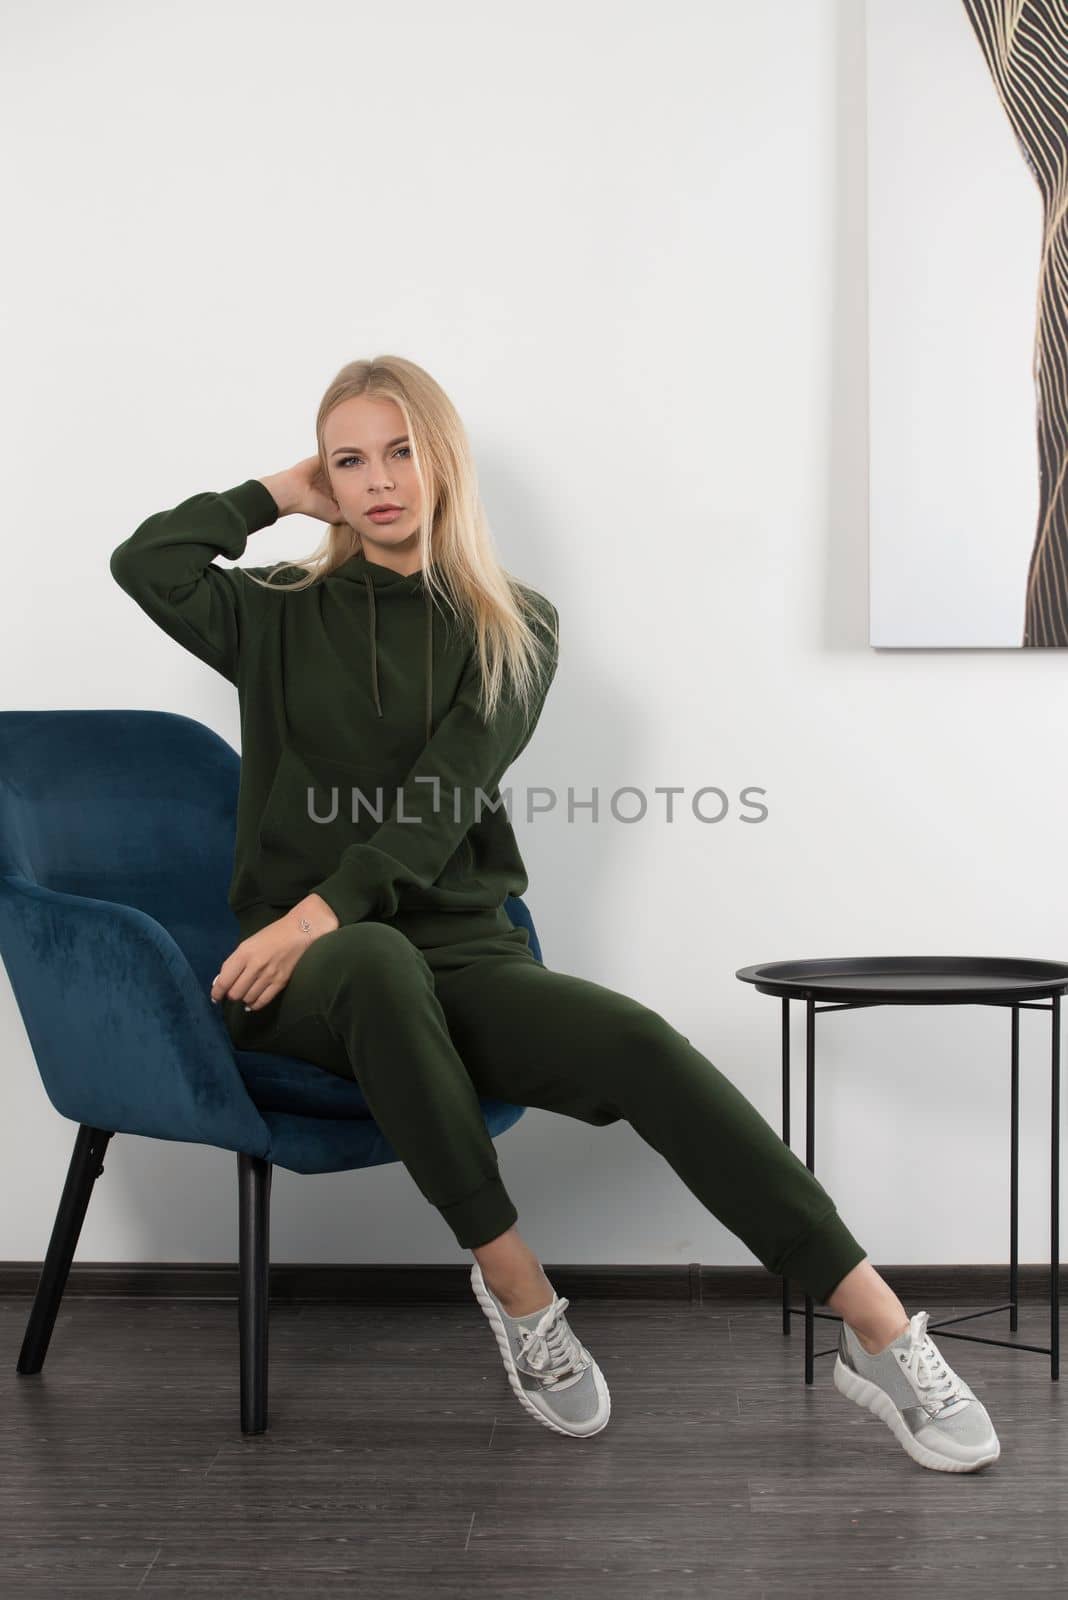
876,1400
504,1345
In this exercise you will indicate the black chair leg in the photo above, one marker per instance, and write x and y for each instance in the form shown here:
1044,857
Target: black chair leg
86,1165
254,1305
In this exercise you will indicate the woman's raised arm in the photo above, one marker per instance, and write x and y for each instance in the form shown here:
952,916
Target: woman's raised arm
167,567
168,564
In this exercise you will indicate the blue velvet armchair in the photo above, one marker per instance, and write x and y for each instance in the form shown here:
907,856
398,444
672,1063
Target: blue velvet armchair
116,846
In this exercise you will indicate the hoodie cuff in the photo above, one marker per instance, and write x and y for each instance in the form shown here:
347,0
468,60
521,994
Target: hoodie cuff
254,504
347,904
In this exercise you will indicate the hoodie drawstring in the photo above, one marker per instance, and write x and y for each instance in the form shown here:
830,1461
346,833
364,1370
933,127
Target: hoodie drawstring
429,651
374,644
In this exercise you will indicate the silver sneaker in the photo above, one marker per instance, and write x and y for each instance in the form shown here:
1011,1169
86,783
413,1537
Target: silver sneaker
913,1389
552,1374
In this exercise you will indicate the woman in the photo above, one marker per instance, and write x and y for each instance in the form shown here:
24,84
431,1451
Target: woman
386,683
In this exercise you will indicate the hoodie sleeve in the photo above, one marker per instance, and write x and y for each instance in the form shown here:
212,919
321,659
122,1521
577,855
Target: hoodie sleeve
167,567
463,756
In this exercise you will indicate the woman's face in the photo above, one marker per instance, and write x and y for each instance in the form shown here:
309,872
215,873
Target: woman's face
369,460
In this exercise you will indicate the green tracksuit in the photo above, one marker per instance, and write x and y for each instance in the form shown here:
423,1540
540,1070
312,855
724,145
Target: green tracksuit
426,993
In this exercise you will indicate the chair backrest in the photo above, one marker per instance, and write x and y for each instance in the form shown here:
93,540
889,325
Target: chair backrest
138,807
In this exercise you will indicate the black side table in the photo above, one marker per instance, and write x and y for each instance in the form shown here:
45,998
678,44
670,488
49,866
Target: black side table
849,983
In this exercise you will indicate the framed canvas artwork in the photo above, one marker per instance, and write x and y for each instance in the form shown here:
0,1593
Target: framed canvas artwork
968,322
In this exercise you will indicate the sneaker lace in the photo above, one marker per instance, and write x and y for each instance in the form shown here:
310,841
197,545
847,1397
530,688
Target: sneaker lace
931,1375
550,1350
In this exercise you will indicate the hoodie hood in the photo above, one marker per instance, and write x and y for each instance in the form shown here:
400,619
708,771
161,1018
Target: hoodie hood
376,578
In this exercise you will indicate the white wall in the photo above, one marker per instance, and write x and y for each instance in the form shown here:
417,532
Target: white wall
631,244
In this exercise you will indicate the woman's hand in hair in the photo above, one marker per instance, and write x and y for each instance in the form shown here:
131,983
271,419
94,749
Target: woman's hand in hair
304,488
263,964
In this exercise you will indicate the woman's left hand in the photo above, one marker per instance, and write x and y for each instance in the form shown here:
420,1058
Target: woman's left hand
263,964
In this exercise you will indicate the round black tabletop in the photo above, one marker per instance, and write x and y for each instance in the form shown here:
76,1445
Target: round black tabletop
911,980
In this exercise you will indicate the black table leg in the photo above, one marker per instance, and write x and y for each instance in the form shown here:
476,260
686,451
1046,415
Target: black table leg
810,1151
786,1132
1054,1191
1014,1175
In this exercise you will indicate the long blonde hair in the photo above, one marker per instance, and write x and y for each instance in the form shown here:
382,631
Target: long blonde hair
459,562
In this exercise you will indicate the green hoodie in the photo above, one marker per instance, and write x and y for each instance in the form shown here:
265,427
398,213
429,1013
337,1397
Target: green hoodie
346,687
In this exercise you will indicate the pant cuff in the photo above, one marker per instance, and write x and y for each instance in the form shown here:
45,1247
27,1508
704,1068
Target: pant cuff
820,1260
482,1216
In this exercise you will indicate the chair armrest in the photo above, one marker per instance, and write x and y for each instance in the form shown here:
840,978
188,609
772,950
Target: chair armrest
123,1036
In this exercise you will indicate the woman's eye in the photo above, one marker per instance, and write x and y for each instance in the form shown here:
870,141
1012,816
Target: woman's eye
404,449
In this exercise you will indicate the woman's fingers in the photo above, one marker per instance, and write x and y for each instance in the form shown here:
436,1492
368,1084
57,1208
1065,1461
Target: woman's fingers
265,998
238,988
260,992
228,977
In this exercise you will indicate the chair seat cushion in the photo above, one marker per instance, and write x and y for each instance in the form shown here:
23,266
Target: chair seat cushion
287,1083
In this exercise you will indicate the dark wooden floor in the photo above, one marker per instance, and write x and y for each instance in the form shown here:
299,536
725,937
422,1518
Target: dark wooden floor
399,1464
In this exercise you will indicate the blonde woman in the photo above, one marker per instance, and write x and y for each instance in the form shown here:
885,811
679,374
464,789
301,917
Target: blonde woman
386,683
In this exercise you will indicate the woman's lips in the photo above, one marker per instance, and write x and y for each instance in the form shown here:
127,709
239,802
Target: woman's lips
384,516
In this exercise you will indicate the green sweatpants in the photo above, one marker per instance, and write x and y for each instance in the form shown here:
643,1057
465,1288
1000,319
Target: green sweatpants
428,1011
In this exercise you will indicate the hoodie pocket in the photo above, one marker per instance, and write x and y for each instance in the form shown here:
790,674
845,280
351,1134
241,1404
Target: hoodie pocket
316,807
